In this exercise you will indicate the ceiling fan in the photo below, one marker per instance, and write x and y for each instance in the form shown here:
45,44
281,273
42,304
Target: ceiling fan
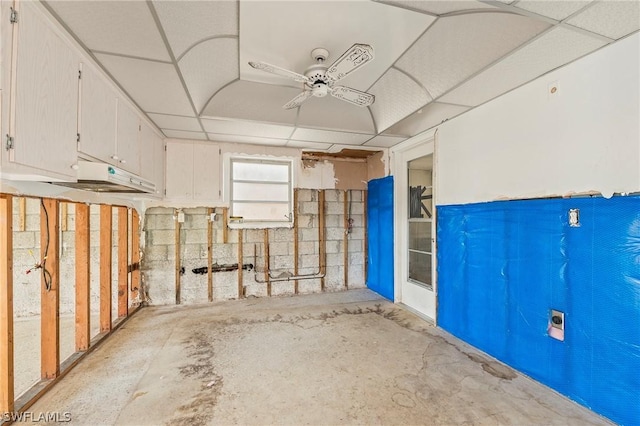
320,79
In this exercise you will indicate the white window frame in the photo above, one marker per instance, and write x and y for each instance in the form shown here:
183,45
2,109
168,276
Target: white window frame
285,222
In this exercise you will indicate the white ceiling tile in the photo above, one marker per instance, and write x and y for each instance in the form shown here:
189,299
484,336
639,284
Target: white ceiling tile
553,9
179,134
613,19
175,122
329,112
439,7
309,145
253,101
247,128
154,86
381,141
430,116
328,136
283,33
247,139
123,27
456,47
397,96
208,67
188,22
555,48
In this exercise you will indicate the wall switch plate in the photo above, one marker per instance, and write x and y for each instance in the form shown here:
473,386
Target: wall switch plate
180,217
574,218
213,217
556,325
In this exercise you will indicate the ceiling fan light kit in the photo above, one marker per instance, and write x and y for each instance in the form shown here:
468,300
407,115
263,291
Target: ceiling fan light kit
320,79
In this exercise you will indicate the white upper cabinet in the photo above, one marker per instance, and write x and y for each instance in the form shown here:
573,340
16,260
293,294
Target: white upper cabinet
44,127
126,153
152,157
97,116
193,172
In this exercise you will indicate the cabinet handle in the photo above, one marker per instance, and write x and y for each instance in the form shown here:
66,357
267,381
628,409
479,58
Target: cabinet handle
123,161
115,157
75,166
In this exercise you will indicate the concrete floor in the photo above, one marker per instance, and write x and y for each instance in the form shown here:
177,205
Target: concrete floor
339,358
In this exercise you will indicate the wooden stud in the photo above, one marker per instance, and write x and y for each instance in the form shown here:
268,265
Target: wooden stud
135,256
123,261
22,214
365,263
295,239
178,259
106,221
321,235
225,225
210,211
345,240
50,288
240,264
83,277
267,261
64,216
6,304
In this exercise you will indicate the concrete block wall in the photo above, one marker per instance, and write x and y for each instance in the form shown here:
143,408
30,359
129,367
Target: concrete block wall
159,252
26,252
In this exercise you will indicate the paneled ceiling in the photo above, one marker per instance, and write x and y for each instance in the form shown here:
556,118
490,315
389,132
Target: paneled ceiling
185,63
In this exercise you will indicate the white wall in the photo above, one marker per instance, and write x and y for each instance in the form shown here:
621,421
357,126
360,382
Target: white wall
529,143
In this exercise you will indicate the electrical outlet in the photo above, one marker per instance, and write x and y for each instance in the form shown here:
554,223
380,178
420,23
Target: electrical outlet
180,217
213,217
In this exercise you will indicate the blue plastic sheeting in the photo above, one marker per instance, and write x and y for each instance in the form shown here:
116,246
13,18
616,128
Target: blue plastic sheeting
502,266
380,242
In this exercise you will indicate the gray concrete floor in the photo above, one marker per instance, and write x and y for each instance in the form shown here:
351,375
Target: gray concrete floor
339,358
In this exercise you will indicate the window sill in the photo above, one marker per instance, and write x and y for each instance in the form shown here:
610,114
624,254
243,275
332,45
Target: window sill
260,225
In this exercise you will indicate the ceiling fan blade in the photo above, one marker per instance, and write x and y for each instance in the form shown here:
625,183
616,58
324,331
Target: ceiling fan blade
295,102
353,96
355,57
279,71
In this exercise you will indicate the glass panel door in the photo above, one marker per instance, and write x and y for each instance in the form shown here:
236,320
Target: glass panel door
420,220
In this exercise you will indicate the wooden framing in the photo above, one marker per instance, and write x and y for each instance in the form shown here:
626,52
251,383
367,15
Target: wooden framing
50,288
83,276
322,237
106,222
295,240
210,211
135,256
123,261
240,264
178,259
365,264
345,239
64,216
225,225
22,214
266,261
6,304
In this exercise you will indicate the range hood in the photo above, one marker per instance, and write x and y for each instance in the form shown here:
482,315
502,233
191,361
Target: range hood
101,177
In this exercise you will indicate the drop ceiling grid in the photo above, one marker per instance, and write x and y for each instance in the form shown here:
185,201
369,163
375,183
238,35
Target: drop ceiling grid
553,49
309,145
187,23
179,134
382,141
152,85
613,19
175,122
438,7
328,136
125,28
557,10
456,47
208,67
246,139
246,100
248,128
396,97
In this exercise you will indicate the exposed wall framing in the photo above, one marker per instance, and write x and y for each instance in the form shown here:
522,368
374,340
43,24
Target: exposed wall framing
6,304
50,288
106,221
83,276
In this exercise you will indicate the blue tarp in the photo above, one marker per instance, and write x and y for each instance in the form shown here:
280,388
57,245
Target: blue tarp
503,266
380,240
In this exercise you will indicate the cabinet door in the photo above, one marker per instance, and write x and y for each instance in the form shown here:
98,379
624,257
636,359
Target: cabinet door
179,171
206,171
127,149
152,157
97,120
46,97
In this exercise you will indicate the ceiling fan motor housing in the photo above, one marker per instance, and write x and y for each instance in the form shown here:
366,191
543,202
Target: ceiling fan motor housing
319,81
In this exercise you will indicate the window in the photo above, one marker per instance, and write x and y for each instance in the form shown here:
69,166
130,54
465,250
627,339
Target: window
261,190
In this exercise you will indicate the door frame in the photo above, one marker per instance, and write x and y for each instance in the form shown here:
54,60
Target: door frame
417,298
